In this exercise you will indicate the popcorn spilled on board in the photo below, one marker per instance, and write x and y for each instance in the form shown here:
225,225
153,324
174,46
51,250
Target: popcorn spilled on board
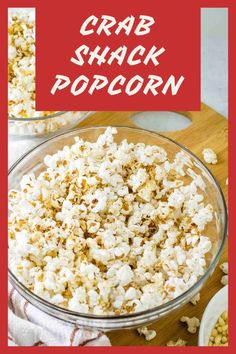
109,228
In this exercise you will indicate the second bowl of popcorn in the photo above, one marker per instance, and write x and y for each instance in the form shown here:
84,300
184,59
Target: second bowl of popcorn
24,120
112,228
46,125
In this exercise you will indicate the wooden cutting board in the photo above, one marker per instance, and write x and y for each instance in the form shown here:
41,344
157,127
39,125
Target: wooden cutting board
208,129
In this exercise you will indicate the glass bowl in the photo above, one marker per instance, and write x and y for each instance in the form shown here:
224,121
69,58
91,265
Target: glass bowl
45,126
216,230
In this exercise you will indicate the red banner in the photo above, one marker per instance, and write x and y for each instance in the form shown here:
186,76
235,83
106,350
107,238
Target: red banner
111,55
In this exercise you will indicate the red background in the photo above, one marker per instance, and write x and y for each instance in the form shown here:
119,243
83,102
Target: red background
58,36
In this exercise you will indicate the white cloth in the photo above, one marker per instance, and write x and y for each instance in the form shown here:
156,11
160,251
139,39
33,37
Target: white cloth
28,326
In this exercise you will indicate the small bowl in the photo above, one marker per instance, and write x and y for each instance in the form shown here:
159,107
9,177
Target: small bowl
45,126
217,305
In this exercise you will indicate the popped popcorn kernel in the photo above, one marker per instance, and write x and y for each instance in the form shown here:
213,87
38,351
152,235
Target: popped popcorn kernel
224,267
149,334
21,64
21,81
195,300
219,334
224,280
193,323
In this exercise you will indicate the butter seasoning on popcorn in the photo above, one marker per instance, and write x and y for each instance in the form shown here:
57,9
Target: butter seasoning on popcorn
21,64
109,228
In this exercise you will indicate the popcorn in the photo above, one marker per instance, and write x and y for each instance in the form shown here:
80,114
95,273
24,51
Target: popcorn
203,216
209,156
219,334
131,294
224,280
124,275
94,298
176,199
149,334
21,64
224,267
109,228
137,179
195,299
179,343
193,323
57,299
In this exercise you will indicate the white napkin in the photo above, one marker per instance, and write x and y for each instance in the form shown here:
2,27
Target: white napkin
28,326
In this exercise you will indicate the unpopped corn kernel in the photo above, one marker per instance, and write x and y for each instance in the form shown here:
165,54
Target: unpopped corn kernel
21,80
224,267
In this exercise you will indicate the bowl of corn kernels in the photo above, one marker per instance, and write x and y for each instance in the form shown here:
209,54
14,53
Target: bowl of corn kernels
214,325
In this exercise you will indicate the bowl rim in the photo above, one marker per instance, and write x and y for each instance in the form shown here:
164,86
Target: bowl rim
163,307
27,119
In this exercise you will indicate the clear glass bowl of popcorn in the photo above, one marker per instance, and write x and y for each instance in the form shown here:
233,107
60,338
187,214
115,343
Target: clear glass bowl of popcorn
47,125
216,228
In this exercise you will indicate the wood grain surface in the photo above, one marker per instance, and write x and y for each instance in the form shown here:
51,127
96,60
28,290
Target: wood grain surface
208,129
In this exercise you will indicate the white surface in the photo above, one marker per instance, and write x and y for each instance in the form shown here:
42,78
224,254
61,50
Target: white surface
168,121
18,147
217,305
214,37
